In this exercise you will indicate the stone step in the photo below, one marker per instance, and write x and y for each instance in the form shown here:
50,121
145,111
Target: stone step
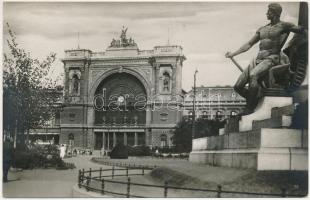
285,110
275,122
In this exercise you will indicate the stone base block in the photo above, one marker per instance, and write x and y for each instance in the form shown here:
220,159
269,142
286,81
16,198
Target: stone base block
282,159
263,111
274,138
282,121
226,158
265,137
259,159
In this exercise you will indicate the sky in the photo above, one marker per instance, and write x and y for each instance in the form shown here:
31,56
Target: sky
205,30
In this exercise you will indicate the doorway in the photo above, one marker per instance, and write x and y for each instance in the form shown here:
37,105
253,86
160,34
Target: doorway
98,141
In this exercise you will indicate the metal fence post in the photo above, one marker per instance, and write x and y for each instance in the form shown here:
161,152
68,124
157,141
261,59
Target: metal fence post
128,188
219,191
113,172
100,173
127,171
83,173
102,186
283,192
142,170
79,179
89,172
166,189
87,183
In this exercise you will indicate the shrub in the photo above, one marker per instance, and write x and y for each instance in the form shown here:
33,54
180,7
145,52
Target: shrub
63,165
141,150
38,156
120,151
23,160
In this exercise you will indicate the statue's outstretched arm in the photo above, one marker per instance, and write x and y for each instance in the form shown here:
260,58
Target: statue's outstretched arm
245,47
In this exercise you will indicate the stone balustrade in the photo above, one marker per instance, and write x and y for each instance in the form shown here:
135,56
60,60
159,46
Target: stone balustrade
168,50
97,54
146,53
78,53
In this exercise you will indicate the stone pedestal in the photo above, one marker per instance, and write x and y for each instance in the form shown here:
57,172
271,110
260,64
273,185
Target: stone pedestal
264,141
263,111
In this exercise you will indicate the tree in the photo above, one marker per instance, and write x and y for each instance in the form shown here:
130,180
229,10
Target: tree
182,135
29,94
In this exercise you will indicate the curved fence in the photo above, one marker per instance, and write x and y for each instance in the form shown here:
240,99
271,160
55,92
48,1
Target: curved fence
89,179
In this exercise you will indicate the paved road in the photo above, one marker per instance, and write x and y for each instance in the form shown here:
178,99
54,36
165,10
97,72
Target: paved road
47,182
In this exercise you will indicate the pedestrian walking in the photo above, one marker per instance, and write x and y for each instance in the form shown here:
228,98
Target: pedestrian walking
7,158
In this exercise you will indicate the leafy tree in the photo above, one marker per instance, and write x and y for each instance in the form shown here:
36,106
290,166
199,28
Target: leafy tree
29,94
182,135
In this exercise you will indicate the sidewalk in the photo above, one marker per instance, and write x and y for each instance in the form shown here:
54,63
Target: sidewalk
47,182
59,183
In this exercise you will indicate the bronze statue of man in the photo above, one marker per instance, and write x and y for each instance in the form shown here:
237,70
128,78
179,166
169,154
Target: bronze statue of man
272,38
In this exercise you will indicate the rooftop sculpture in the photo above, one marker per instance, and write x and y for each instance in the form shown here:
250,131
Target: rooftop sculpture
123,41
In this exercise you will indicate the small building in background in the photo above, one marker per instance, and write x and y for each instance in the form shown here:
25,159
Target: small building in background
218,102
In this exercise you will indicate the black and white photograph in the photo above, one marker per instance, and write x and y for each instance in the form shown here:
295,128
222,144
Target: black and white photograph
149,99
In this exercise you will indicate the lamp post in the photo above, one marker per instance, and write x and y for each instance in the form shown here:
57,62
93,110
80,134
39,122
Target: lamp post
194,106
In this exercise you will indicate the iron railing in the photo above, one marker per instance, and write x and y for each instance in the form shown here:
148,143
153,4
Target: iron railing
105,176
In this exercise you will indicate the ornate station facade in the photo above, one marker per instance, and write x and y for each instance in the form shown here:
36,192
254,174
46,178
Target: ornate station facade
123,95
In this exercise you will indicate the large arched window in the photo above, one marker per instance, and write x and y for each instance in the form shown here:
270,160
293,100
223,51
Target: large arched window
123,101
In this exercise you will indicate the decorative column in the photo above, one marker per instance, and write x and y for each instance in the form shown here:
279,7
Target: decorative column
148,114
147,135
125,138
114,139
108,141
103,140
174,80
67,82
150,138
136,138
89,132
157,78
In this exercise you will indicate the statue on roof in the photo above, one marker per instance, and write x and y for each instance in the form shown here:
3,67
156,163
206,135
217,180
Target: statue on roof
123,41
123,36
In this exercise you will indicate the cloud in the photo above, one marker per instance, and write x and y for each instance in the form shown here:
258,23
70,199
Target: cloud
205,30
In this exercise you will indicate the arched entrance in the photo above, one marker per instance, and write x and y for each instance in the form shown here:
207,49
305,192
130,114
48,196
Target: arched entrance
120,105
120,99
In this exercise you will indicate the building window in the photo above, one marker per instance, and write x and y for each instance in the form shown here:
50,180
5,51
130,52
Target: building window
163,116
205,115
219,115
71,139
71,116
233,113
163,140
